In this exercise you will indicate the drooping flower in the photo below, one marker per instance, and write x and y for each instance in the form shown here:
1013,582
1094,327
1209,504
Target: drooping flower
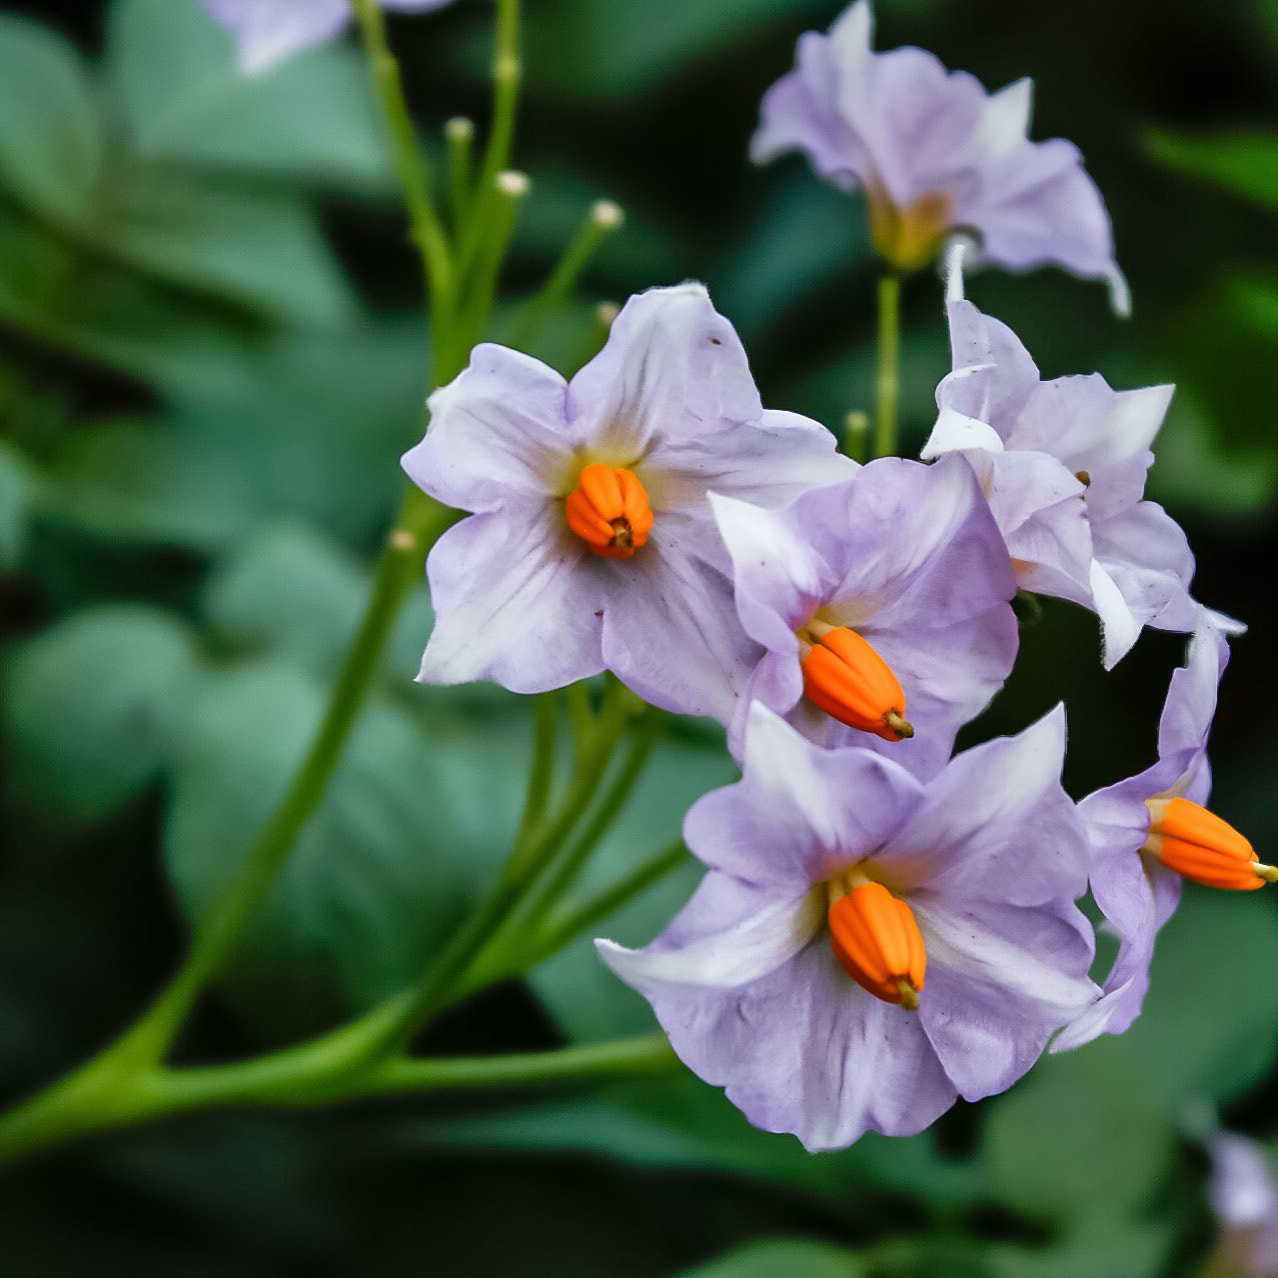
882,604
1244,1199
866,947
268,31
1150,831
935,155
593,545
1062,464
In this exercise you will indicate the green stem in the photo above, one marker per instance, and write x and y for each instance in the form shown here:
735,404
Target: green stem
444,976
888,385
541,774
603,218
399,570
460,134
507,73
332,1070
423,222
555,933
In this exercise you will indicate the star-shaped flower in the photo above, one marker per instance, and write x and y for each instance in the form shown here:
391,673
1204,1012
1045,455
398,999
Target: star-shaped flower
882,604
935,154
593,545
1148,832
866,947
1062,464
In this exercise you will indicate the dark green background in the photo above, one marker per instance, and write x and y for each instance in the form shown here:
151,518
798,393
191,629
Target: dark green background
209,364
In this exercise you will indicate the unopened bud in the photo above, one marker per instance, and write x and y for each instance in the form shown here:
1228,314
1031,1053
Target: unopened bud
606,215
513,183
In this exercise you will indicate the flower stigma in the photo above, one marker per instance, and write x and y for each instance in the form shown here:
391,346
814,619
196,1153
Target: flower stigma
1198,845
609,511
845,677
876,940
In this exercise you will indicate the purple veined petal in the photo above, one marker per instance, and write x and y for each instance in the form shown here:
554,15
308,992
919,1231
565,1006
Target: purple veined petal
800,814
1120,627
970,834
517,601
1191,697
729,934
1000,981
1008,373
799,113
1037,206
1147,556
779,577
1089,426
805,1050
672,368
268,31
955,432
498,431
769,462
777,683
1003,123
670,626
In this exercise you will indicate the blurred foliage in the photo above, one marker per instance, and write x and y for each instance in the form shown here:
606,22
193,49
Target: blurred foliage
209,362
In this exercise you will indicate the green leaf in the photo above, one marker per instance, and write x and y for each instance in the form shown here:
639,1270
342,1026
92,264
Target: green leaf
793,1258
310,119
1243,161
1082,1138
406,831
257,248
50,137
94,707
1233,1036
19,486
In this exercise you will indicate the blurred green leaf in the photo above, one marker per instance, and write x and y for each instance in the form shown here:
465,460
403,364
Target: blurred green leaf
19,485
1234,1036
406,830
582,51
793,1258
94,708
1244,161
310,119
1080,1139
50,136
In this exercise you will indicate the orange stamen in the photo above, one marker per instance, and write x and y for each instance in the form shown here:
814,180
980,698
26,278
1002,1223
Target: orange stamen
878,944
1200,846
609,511
846,678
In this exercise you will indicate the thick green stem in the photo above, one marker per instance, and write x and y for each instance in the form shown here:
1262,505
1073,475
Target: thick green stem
336,1069
423,221
887,388
399,570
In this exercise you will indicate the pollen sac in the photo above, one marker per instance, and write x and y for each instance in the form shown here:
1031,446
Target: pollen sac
609,511
846,678
1200,846
878,944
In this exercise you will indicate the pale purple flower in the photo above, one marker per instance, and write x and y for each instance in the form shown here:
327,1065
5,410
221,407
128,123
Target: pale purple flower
907,556
989,856
1062,464
1244,1198
935,155
268,31
1135,892
519,597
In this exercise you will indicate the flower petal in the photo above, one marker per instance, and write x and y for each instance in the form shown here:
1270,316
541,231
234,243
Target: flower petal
1000,980
268,31
516,602
800,814
498,430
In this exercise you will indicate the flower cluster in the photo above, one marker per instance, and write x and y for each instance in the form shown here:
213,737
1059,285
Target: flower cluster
884,925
